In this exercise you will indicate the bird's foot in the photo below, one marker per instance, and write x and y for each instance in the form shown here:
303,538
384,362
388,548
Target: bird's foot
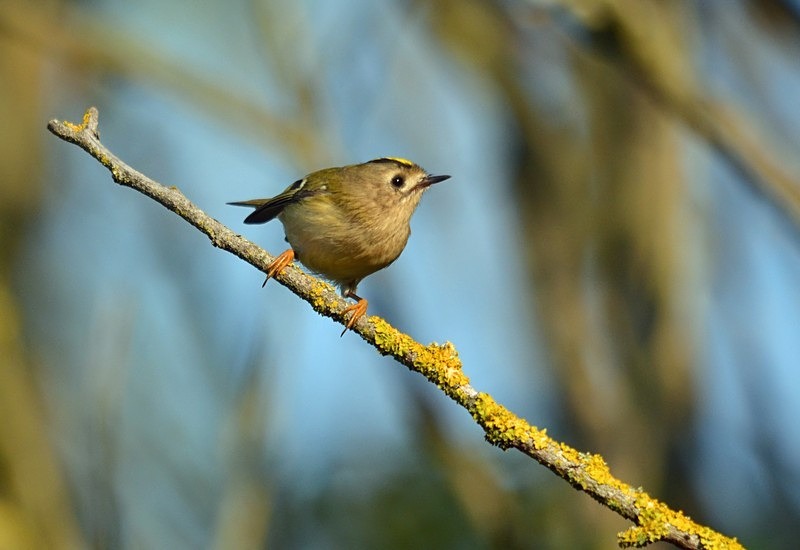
278,264
359,309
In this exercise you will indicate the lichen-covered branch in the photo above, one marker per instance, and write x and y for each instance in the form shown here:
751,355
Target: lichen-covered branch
440,364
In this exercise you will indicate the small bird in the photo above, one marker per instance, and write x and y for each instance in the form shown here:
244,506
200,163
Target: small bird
346,223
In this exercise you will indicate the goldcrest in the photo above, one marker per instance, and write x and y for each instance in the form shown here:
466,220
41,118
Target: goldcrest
346,223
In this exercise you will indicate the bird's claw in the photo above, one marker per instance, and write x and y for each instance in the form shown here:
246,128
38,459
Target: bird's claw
279,264
359,309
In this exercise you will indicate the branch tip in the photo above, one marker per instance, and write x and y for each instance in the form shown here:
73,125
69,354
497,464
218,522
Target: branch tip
89,124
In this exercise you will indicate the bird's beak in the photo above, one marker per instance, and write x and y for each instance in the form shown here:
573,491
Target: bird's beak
430,180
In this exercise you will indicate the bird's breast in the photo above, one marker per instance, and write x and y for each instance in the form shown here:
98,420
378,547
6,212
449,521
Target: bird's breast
343,246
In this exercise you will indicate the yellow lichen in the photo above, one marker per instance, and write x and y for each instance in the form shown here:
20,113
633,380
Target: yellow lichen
595,467
656,520
438,363
504,428
317,295
84,123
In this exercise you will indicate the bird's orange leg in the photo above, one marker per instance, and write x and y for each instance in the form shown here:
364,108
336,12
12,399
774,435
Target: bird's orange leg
359,309
278,264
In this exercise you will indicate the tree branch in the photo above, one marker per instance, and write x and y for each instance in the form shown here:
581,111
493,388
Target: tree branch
654,521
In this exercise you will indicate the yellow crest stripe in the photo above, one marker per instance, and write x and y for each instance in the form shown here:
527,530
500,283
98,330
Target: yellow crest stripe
398,160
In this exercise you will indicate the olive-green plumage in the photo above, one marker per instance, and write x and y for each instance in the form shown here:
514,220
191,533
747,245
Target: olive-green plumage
349,222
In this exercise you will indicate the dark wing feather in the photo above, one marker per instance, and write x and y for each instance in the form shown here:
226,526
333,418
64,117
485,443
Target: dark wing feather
267,209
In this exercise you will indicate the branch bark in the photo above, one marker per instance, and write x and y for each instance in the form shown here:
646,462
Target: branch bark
440,364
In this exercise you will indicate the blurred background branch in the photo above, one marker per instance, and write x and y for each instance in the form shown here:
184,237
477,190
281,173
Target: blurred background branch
92,45
643,40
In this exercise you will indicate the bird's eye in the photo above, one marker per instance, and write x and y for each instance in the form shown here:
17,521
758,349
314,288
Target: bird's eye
398,181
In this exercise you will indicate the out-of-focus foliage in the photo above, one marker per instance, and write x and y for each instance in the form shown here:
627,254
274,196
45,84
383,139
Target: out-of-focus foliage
616,258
